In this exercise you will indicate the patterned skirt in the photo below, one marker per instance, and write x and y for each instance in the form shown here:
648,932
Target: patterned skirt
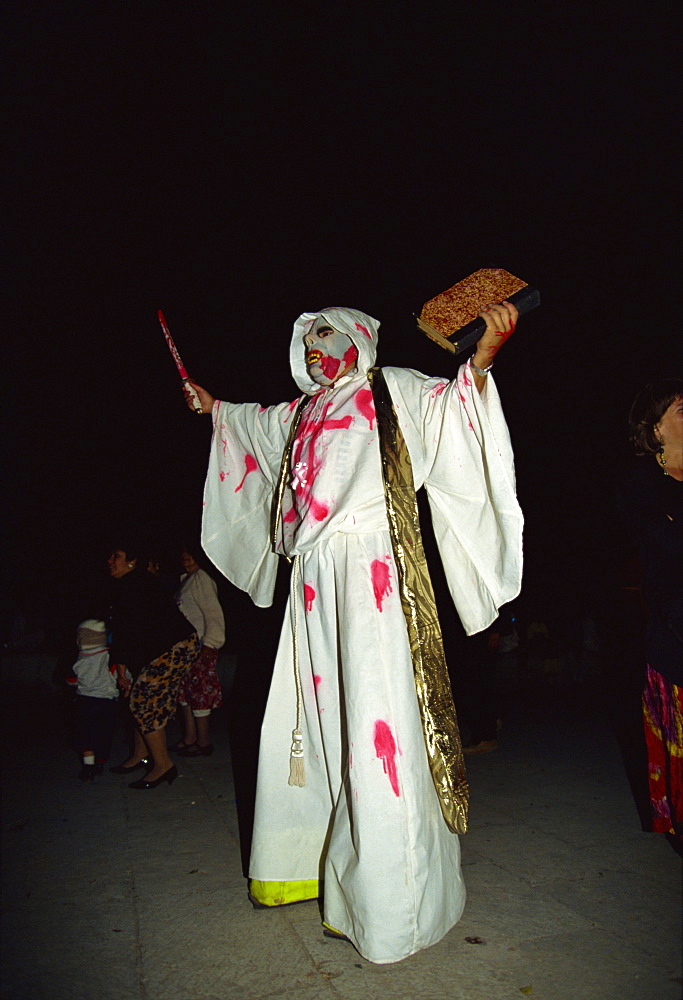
154,695
663,721
201,688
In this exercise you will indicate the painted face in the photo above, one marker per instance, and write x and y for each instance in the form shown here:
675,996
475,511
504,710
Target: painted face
329,353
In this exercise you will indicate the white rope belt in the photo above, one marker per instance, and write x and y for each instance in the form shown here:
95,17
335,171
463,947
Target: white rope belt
297,768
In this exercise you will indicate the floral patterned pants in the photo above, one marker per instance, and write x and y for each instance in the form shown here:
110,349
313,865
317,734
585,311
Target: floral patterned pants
663,720
201,688
154,695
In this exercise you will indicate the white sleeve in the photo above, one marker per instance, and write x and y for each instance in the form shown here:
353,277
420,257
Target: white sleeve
206,596
461,451
244,463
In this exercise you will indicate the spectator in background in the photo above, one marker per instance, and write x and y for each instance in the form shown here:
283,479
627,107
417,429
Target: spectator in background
152,639
200,691
169,580
96,697
650,497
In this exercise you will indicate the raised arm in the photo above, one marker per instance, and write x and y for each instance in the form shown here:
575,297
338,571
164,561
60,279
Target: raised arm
501,320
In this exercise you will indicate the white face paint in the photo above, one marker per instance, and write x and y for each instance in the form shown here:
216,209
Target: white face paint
329,353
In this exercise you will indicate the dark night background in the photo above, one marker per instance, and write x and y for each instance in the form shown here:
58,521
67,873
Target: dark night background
237,165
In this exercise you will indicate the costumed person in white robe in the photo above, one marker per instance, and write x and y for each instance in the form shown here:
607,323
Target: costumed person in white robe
361,785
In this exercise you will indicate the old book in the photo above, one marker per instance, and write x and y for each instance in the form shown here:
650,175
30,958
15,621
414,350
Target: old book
452,320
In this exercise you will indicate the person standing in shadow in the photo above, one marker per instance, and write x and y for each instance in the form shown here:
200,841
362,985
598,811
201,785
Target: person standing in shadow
650,498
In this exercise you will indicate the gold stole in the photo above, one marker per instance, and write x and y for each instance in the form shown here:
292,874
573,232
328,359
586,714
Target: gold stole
432,684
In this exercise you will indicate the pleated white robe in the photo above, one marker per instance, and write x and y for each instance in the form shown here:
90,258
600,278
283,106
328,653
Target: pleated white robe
367,823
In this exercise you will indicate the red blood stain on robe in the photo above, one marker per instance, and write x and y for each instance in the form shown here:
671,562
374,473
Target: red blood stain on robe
381,581
385,748
251,466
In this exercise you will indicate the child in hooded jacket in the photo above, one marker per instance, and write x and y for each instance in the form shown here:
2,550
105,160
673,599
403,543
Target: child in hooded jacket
96,697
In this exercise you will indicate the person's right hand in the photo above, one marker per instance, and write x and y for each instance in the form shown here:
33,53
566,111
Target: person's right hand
206,400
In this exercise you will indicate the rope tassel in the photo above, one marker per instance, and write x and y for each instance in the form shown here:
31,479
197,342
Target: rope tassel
297,767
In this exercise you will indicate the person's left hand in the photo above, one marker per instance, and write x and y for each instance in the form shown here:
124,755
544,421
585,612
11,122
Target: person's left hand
501,320
124,683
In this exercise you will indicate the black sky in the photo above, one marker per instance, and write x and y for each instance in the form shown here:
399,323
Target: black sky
239,165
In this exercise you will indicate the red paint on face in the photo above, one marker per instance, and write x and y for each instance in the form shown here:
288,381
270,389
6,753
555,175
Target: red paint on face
309,596
330,366
381,581
364,330
333,367
385,748
350,356
365,404
251,466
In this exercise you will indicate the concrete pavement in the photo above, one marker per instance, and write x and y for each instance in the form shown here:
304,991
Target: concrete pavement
114,894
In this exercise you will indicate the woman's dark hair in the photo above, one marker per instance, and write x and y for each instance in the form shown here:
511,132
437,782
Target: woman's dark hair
194,548
133,548
648,408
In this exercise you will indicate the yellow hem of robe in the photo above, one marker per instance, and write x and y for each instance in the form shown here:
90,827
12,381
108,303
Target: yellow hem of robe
282,893
335,931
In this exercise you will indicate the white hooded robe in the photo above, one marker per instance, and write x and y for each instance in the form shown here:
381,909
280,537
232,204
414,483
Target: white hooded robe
367,823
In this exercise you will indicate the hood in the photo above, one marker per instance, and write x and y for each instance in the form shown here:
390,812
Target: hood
361,328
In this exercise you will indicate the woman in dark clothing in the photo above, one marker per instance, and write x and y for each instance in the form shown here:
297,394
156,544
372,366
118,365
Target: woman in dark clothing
157,644
651,501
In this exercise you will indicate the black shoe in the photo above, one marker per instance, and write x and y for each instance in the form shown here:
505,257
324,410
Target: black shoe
87,772
120,769
168,776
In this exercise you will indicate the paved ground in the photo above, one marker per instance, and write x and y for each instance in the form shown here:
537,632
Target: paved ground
113,894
